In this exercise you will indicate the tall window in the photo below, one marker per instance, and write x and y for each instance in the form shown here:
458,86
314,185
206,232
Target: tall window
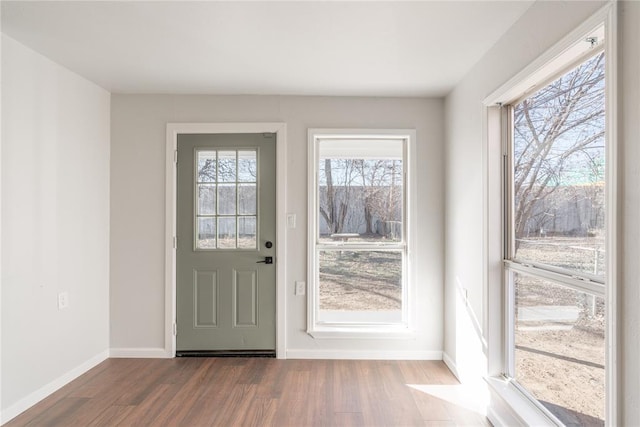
358,262
555,244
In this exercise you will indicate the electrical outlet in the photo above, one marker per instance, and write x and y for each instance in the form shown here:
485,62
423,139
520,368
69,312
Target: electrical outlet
63,300
301,287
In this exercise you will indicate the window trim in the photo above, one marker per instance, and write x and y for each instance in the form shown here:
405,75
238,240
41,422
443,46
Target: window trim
404,330
507,395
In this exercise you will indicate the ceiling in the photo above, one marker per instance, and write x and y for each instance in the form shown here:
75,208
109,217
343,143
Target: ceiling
360,48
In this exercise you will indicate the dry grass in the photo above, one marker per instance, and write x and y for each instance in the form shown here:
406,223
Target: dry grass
360,280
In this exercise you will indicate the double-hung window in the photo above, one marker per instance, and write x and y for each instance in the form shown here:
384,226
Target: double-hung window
359,232
554,248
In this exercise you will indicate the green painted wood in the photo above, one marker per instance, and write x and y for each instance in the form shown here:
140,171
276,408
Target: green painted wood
225,299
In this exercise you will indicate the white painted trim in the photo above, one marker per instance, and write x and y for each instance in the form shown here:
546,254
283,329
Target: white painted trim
44,391
502,415
1,210
451,364
366,331
509,408
140,353
363,354
492,225
173,129
541,65
613,371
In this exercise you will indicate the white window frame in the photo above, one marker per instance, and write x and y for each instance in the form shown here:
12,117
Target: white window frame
510,405
405,328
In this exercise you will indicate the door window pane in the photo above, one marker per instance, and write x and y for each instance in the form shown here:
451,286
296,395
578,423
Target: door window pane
226,166
247,232
227,232
559,349
247,199
226,199
206,235
206,166
247,166
206,199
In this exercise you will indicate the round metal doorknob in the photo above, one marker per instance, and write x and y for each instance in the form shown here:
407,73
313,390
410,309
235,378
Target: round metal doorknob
268,245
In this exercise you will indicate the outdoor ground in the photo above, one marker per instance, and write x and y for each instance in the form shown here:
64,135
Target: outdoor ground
560,353
360,281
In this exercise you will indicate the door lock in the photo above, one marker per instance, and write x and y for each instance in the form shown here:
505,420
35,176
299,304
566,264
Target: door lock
267,260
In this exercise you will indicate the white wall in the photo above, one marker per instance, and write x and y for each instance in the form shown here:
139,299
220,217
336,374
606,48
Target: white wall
522,44
55,225
137,205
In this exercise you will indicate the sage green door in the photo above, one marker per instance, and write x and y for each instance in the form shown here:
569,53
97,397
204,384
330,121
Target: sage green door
226,292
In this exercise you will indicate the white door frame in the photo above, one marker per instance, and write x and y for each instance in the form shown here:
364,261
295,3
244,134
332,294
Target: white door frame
173,130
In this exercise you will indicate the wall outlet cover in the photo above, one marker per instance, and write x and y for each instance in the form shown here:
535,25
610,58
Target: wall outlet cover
63,300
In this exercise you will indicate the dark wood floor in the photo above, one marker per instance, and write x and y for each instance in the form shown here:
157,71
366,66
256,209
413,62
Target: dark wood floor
252,392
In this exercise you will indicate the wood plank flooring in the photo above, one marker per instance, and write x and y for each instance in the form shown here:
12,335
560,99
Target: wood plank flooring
252,392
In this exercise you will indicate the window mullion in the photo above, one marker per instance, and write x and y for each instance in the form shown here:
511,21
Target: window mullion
360,247
575,282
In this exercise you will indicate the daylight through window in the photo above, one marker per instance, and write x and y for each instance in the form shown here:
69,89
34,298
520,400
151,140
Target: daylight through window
555,249
359,237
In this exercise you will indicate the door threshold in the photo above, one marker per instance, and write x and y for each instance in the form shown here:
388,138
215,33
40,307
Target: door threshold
226,353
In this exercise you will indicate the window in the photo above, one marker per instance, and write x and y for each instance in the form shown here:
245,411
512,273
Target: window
359,232
555,243
227,206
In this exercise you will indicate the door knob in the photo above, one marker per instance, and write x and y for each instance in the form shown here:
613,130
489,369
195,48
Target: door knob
267,260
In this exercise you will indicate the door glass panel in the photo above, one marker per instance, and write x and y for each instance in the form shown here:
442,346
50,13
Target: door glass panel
247,199
227,232
226,199
206,166
206,199
227,204
206,236
226,166
247,232
247,166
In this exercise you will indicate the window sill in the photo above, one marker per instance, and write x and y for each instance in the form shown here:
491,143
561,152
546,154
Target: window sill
361,332
508,406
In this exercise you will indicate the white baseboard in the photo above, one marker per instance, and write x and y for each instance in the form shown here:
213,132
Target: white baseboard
44,391
364,355
140,353
450,364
